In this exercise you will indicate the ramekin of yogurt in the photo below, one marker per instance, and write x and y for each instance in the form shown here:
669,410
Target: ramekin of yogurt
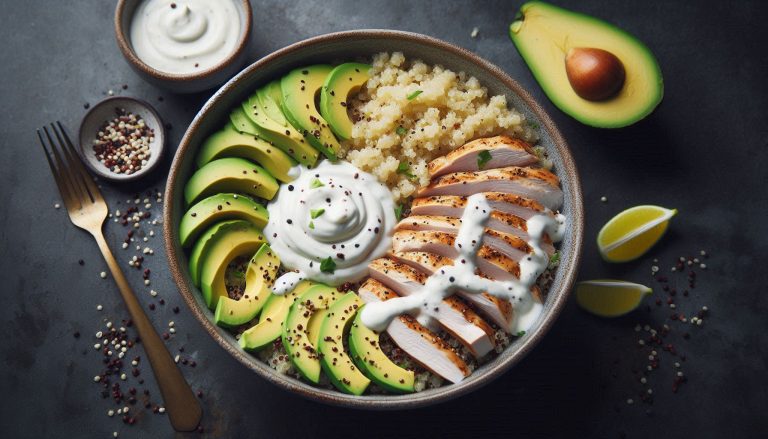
184,45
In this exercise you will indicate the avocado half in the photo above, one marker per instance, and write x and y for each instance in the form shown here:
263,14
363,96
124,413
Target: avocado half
543,34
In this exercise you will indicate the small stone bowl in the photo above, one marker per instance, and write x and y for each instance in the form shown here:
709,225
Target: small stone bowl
105,111
188,82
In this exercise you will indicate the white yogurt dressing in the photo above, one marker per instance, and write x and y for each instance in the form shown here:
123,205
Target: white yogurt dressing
185,36
353,219
461,276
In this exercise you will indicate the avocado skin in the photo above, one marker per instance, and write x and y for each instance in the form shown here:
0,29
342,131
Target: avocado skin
299,88
219,207
644,75
230,143
343,80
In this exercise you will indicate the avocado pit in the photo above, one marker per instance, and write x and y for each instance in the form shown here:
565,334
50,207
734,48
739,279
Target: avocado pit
594,74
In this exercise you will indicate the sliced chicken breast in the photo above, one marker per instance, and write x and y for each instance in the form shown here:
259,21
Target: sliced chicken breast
453,205
419,240
420,343
537,184
453,314
497,310
503,151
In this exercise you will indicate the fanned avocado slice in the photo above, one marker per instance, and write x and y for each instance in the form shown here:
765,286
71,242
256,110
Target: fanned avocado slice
259,277
367,354
270,102
284,137
302,352
230,174
344,80
333,359
300,88
217,208
239,238
273,315
544,34
230,143
242,123
201,247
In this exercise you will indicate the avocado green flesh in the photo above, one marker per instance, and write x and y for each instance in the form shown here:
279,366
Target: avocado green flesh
335,362
259,277
201,247
230,143
273,315
284,137
302,352
343,80
544,33
230,175
217,208
242,123
368,356
239,238
299,89
270,104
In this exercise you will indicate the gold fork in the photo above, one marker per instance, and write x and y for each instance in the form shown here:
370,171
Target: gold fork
88,210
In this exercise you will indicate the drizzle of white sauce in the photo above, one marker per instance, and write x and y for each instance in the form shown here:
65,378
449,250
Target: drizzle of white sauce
354,217
461,275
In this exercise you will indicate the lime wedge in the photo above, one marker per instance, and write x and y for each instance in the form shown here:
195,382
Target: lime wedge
610,298
631,233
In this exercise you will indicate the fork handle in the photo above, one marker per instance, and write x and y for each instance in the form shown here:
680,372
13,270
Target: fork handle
180,402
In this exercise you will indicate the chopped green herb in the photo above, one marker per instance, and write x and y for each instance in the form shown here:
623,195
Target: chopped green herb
405,169
533,125
483,158
314,213
311,225
239,274
554,259
413,95
315,183
327,265
398,211
401,131
520,334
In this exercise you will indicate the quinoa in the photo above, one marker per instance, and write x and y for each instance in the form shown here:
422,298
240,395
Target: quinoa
445,110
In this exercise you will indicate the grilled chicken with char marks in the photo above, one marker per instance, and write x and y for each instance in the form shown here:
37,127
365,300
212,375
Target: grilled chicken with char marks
492,152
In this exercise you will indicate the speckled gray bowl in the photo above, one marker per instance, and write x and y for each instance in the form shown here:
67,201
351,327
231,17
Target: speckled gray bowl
347,46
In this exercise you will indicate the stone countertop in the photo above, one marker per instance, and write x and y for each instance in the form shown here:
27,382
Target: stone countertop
704,151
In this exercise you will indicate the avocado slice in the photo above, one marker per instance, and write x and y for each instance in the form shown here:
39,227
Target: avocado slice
284,137
300,348
231,174
273,315
216,208
543,34
201,248
259,277
334,361
242,123
230,143
270,102
238,238
368,356
300,88
344,80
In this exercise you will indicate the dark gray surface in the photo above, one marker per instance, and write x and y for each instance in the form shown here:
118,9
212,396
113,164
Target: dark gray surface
704,151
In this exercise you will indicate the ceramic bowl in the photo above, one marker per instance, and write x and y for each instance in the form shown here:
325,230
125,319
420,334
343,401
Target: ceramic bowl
107,110
348,46
182,83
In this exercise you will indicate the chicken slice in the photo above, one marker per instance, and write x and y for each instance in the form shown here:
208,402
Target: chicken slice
453,314
453,205
497,310
500,151
421,240
420,343
538,184
501,222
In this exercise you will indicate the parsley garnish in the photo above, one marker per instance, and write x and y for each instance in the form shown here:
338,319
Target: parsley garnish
533,125
405,169
311,225
327,265
520,334
398,211
413,95
401,131
554,259
315,183
239,274
483,158
314,213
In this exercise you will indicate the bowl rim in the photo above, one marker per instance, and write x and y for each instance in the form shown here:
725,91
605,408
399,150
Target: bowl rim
160,137
386,402
124,43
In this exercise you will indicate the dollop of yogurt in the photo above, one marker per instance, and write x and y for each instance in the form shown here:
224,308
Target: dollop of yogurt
328,224
185,36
